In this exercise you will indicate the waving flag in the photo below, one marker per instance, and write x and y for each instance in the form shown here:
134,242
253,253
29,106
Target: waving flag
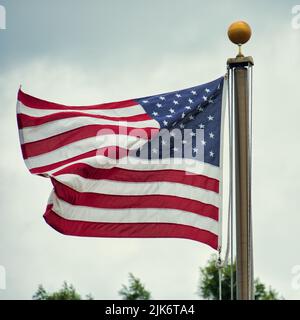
147,167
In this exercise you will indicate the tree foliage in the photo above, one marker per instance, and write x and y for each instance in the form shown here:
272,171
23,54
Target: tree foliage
135,290
209,284
67,292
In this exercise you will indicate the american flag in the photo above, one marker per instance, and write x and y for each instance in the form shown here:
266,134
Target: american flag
148,167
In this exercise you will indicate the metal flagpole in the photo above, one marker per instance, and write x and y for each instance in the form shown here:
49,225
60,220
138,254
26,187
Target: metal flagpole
239,33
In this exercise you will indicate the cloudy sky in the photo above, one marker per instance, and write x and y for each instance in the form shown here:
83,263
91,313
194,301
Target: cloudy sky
86,52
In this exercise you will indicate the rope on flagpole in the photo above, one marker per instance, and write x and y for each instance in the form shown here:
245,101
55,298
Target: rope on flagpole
231,176
231,190
250,171
219,263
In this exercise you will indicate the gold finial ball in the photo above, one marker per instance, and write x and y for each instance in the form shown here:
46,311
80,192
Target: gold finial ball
239,32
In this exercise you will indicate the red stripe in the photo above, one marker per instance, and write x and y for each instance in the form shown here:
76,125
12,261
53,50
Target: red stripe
28,121
35,148
114,152
36,103
128,230
118,174
98,200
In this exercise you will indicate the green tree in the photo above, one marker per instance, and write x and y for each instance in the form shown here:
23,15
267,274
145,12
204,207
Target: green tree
135,291
209,284
67,292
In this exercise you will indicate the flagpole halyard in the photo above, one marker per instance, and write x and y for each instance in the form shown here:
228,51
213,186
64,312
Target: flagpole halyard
239,33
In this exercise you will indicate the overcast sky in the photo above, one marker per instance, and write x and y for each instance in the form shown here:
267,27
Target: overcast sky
87,52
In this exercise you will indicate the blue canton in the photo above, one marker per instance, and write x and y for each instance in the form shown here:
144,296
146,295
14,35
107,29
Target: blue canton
199,107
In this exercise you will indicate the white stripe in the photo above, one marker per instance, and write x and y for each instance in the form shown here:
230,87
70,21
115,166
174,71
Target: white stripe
145,215
53,128
188,165
119,112
123,188
79,147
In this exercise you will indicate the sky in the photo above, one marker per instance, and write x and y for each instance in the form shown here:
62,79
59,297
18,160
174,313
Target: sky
87,52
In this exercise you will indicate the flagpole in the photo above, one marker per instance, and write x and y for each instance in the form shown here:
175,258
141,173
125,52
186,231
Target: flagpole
239,33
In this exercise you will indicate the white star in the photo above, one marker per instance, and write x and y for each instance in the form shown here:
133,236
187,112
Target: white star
162,98
168,116
211,153
200,109
159,105
190,100
182,115
181,126
210,118
195,150
155,114
164,142
192,134
203,142
145,101
211,135
204,98
188,107
175,101
172,110
178,95
165,122
211,101
194,92
201,126
154,150
191,117
207,90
